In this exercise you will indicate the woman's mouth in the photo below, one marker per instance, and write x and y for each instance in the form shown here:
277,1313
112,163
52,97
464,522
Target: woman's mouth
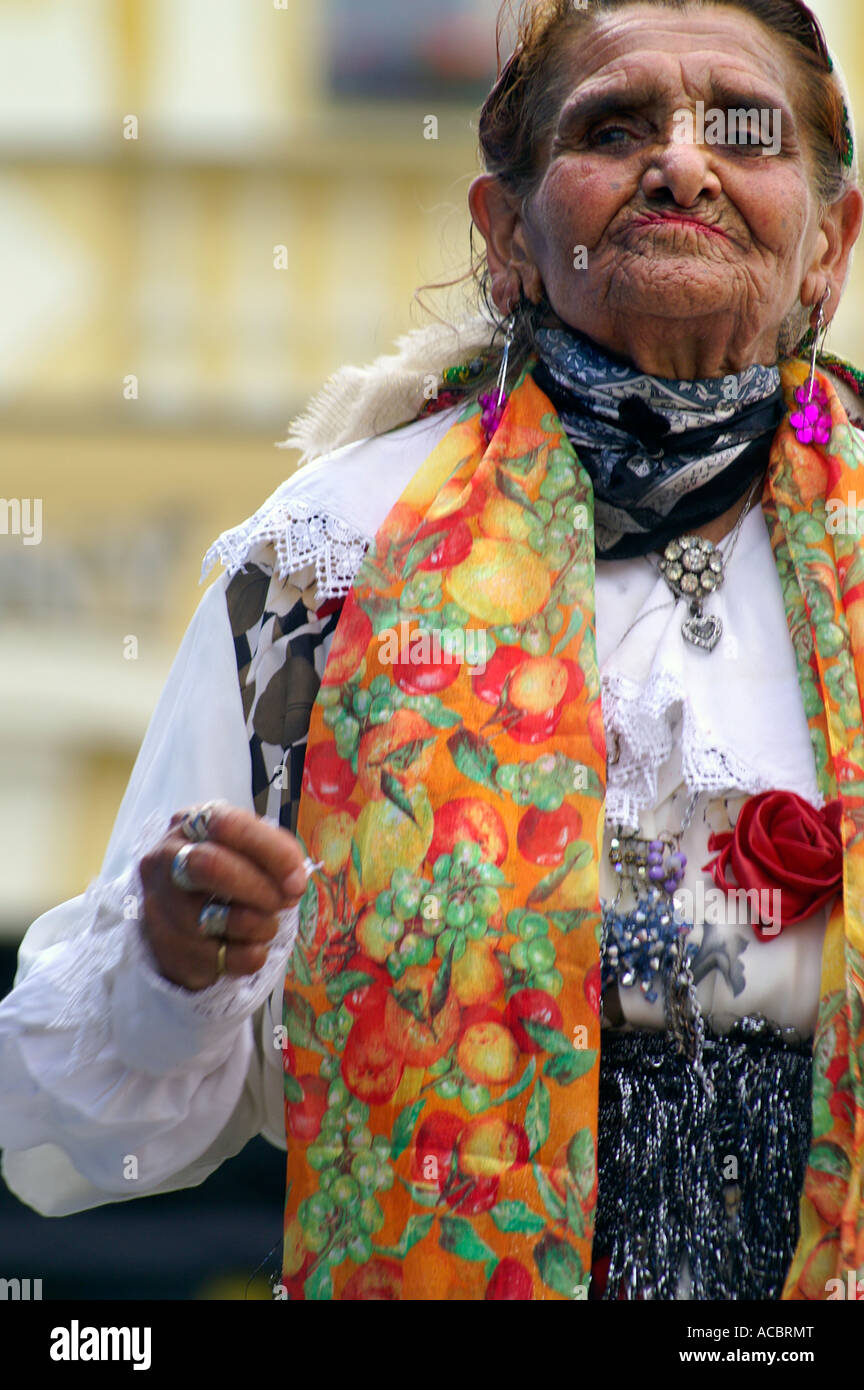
661,220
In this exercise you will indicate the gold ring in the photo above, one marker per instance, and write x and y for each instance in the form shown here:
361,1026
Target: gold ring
220,960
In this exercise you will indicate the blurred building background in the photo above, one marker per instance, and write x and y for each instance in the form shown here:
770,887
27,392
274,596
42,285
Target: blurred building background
206,206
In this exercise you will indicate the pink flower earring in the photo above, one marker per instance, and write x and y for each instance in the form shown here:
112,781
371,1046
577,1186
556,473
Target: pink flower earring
812,423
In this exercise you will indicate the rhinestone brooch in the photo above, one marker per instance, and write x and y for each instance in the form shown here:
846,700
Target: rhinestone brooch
693,569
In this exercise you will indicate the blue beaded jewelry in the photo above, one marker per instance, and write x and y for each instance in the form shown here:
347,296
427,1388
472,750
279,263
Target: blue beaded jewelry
645,944
641,945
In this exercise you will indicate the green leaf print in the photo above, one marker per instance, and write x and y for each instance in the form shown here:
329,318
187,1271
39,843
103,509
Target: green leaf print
550,1039
537,1118
458,1237
404,1126
559,1266
417,1227
474,758
343,984
298,1017
319,1285
518,1218
512,490
580,1161
392,789
575,1215
292,1088
551,1201
566,1070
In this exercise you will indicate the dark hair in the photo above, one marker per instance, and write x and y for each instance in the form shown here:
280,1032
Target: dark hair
520,111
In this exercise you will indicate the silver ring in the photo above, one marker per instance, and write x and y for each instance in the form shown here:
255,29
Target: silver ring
213,919
180,872
195,824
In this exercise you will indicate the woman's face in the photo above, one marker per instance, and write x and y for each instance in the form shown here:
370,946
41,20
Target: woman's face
693,253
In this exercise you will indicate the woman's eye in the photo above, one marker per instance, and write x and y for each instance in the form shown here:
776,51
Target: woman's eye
609,135
744,145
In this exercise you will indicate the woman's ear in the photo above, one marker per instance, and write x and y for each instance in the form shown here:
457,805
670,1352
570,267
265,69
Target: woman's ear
497,214
841,227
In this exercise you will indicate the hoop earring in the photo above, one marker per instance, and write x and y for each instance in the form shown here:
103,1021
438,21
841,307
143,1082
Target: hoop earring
812,423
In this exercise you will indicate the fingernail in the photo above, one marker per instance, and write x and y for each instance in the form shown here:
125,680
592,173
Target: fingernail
295,882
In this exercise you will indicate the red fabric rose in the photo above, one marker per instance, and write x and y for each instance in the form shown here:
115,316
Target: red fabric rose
781,844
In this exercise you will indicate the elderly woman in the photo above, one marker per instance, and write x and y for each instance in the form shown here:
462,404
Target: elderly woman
496,846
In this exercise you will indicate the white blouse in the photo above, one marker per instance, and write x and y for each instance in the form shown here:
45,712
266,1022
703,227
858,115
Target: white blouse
116,1083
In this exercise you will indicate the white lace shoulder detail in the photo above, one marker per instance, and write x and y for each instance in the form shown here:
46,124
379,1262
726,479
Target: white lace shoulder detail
643,724
296,533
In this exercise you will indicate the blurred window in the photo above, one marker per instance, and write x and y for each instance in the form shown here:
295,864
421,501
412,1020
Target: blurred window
390,49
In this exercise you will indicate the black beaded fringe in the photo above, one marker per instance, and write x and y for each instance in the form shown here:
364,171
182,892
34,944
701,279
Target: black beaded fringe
710,1179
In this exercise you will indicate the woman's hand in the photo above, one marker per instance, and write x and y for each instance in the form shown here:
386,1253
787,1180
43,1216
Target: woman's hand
246,861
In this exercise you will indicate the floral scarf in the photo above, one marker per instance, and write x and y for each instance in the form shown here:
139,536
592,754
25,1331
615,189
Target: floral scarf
441,1003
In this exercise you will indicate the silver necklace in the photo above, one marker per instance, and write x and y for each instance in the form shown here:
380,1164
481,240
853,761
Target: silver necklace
659,608
694,568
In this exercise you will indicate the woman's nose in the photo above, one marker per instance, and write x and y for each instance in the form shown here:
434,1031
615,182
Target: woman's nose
683,169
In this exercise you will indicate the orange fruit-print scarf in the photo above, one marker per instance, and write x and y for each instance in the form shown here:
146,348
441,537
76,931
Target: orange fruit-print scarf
442,1045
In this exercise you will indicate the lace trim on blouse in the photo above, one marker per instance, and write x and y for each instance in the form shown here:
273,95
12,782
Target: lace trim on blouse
300,533
640,723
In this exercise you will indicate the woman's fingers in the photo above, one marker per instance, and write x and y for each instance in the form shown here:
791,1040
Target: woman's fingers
222,873
275,852
188,958
243,925
246,862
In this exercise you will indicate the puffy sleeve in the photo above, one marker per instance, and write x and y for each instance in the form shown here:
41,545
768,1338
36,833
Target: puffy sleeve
114,1082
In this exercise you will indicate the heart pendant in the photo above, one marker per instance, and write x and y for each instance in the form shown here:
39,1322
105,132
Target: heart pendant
702,630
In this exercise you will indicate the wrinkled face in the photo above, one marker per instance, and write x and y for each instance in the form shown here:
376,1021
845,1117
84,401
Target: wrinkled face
678,221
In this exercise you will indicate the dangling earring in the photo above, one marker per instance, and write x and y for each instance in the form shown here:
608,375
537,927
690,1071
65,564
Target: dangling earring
494,403
812,423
